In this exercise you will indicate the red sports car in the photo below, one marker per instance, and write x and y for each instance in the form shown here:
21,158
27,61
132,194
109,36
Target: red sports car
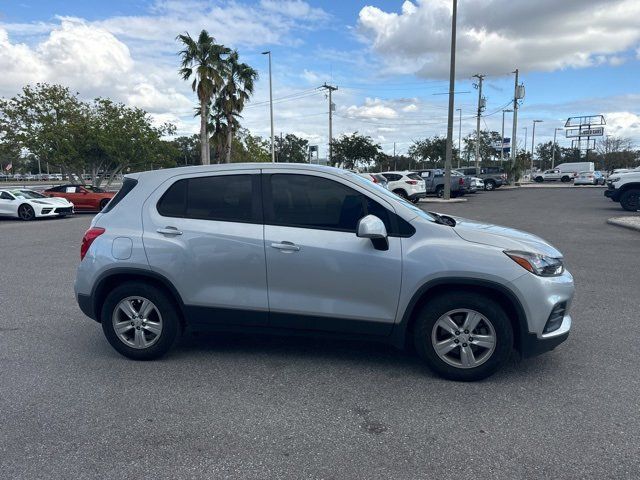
83,197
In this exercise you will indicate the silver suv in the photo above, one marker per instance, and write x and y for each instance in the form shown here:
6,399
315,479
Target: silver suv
315,249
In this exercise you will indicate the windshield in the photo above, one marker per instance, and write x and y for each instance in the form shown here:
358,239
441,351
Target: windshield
388,194
28,194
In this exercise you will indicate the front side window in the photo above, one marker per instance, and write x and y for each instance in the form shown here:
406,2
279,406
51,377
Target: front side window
307,201
227,198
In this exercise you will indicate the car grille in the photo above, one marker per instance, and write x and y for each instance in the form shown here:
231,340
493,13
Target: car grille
64,210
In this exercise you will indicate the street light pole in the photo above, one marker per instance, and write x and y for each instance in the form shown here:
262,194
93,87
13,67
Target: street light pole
273,148
553,148
502,137
480,106
459,136
452,83
533,139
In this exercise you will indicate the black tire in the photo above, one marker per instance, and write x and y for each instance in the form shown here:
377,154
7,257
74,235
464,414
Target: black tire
436,308
164,304
489,185
401,193
539,179
26,212
440,191
103,203
630,200
565,179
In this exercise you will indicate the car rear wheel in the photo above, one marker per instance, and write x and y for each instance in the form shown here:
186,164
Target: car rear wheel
140,321
440,191
539,179
26,212
565,179
401,193
630,200
489,185
463,336
103,203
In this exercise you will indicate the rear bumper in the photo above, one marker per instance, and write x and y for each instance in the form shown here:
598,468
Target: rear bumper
415,196
85,302
533,345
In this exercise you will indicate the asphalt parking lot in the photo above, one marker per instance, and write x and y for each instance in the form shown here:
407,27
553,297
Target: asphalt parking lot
252,407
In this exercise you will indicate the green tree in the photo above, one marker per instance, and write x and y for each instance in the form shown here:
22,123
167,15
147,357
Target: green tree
544,154
188,148
354,151
292,149
237,88
249,148
430,151
203,60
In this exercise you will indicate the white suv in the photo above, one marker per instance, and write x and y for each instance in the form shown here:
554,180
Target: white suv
315,250
625,188
408,185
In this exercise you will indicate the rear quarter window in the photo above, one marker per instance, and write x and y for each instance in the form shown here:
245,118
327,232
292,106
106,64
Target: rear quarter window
127,186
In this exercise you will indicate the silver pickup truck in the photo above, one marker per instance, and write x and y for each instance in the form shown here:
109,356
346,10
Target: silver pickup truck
434,182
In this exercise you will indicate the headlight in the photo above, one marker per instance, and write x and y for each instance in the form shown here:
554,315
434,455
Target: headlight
614,179
537,264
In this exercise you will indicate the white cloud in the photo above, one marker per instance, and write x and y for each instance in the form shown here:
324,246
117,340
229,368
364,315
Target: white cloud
494,36
372,108
623,124
410,108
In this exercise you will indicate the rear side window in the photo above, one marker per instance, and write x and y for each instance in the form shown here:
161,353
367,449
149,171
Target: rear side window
414,176
225,198
127,186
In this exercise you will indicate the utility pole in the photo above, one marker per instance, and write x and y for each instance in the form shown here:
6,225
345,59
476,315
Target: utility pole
502,137
330,88
459,136
514,131
480,107
395,162
273,148
452,85
553,149
533,139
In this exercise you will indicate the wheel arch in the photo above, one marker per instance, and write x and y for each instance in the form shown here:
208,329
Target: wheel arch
402,332
630,186
112,278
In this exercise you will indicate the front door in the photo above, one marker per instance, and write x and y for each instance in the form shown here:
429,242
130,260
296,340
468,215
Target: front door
205,235
321,276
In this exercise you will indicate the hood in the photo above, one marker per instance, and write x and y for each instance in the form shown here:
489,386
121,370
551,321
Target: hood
503,237
53,201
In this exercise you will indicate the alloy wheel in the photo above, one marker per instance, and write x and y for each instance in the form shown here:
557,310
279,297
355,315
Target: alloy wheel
25,212
463,338
137,322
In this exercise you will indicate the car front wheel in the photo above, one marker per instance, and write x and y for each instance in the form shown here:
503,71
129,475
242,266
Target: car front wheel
463,336
26,212
489,186
630,200
139,321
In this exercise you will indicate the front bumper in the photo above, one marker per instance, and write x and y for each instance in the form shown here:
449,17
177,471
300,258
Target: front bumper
613,194
533,344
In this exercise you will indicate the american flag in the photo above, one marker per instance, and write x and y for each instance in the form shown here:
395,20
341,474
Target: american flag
8,167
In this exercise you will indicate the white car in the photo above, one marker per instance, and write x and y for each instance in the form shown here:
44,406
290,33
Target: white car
408,185
27,205
476,184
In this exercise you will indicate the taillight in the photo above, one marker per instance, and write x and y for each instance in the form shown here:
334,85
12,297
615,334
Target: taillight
88,238
461,181
411,182
375,180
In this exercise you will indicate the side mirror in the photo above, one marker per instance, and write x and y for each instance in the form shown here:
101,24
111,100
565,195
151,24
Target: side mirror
373,228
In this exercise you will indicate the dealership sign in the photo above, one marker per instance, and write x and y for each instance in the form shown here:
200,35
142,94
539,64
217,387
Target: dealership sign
585,131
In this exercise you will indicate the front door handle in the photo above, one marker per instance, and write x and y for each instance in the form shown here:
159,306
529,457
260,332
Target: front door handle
286,246
169,231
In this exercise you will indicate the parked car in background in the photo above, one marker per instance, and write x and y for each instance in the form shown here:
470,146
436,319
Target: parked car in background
189,248
407,185
589,178
83,197
27,205
477,183
625,188
434,182
470,184
493,177
376,178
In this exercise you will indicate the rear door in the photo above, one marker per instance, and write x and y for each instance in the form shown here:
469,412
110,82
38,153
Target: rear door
427,177
321,276
204,233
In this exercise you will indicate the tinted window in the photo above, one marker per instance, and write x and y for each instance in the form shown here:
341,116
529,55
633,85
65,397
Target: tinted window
414,176
127,186
225,198
315,202
392,177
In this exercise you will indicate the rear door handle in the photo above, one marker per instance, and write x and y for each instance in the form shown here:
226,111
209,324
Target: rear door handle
169,231
286,246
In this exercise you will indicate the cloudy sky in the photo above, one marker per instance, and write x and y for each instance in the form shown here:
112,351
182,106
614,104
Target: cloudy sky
389,60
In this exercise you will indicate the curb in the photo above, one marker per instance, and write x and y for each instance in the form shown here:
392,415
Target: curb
629,222
442,200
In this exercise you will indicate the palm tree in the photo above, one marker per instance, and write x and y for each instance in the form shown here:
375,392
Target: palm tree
203,59
237,89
